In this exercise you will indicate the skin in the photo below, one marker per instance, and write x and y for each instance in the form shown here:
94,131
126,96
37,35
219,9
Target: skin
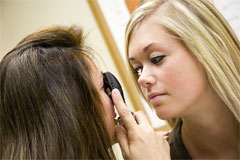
182,91
107,103
137,139
173,78
138,134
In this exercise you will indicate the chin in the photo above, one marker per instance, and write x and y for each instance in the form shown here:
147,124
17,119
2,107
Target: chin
164,114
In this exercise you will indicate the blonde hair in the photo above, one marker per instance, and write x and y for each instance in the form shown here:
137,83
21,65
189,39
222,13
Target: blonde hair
208,37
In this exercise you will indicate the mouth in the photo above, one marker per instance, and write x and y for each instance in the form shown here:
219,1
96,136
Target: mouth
155,97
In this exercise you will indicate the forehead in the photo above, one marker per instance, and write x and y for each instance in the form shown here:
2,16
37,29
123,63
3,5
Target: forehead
151,23
150,31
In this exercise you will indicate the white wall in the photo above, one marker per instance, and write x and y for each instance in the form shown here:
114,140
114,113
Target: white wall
22,17
230,10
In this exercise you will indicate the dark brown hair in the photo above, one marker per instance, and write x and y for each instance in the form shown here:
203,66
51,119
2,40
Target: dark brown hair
49,106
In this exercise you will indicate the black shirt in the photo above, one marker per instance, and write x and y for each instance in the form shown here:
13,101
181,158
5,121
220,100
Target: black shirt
177,148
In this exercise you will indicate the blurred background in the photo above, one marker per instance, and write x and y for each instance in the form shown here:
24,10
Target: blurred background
103,21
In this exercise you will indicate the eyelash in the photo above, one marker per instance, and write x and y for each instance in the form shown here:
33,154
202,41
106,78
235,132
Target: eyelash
154,60
157,59
137,71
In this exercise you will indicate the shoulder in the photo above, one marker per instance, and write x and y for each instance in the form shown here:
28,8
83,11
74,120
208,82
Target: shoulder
177,148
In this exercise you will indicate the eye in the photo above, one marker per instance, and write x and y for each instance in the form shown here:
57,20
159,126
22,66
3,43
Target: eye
157,59
138,70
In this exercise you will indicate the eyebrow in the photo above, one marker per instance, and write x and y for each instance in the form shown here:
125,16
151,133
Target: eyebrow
147,49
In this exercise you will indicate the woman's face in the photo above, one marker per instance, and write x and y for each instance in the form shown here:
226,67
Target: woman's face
169,77
107,103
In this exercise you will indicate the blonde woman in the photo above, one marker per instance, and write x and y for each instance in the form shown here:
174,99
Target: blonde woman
185,59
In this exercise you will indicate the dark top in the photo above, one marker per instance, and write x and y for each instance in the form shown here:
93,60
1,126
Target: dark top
177,148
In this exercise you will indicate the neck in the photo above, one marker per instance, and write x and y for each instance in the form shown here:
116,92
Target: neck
212,132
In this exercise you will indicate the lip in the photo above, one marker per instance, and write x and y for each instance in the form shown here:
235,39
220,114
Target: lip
155,97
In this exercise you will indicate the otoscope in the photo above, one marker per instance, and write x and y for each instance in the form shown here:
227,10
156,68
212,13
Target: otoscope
111,82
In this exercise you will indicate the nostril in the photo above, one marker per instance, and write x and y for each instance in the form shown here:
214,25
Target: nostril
146,81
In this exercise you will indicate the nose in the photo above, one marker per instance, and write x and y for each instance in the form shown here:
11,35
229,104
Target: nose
146,79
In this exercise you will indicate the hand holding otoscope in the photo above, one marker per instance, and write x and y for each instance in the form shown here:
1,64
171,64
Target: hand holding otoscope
135,135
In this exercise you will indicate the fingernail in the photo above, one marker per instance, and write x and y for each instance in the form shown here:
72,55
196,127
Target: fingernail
115,92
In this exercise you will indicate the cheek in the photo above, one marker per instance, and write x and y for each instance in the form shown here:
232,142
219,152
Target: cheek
185,81
144,91
110,114
107,104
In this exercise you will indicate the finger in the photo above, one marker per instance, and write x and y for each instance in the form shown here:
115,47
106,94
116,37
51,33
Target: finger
122,140
167,146
163,134
123,111
141,118
166,137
